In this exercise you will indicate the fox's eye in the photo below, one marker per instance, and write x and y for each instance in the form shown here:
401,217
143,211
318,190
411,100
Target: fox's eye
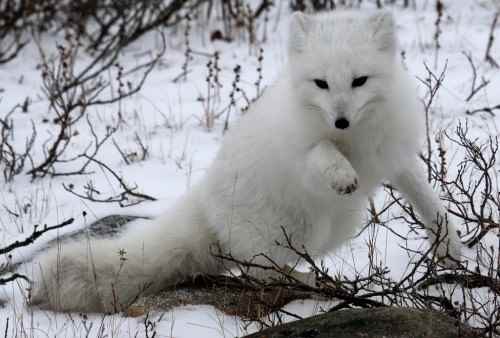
359,81
321,83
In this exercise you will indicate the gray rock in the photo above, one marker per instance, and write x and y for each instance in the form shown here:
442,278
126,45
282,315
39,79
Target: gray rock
372,323
106,227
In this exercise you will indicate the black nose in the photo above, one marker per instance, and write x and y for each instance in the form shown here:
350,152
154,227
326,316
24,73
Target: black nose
342,123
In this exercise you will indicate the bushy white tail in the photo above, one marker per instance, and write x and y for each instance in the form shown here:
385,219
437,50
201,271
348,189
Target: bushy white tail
107,274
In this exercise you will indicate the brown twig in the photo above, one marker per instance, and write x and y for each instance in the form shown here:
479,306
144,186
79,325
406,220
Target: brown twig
491,38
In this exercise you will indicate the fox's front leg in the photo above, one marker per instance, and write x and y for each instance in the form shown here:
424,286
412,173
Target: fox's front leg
328,168
412,183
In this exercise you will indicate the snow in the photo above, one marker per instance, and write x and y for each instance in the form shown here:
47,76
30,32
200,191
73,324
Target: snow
166,115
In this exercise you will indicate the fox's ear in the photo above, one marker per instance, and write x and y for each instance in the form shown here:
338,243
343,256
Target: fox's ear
383,31
300,24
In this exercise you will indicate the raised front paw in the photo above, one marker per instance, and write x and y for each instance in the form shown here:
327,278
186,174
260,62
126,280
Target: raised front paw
342,181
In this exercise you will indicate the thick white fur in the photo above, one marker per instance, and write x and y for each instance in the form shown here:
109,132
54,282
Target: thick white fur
283,164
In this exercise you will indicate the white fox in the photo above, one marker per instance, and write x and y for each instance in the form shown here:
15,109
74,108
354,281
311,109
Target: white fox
342,117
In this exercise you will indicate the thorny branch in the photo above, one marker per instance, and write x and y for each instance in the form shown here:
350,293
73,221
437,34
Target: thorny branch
127,197
13,162
433,83
71,93
488,110
37,233
475,88
491,38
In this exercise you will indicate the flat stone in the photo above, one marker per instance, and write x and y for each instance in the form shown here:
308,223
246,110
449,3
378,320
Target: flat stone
225,293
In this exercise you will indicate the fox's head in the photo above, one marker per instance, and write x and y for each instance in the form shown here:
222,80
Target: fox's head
342,63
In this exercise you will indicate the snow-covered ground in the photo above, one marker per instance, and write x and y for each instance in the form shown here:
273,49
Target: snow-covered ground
168,118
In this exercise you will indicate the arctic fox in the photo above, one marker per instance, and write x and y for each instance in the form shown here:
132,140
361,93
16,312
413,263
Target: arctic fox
342,117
